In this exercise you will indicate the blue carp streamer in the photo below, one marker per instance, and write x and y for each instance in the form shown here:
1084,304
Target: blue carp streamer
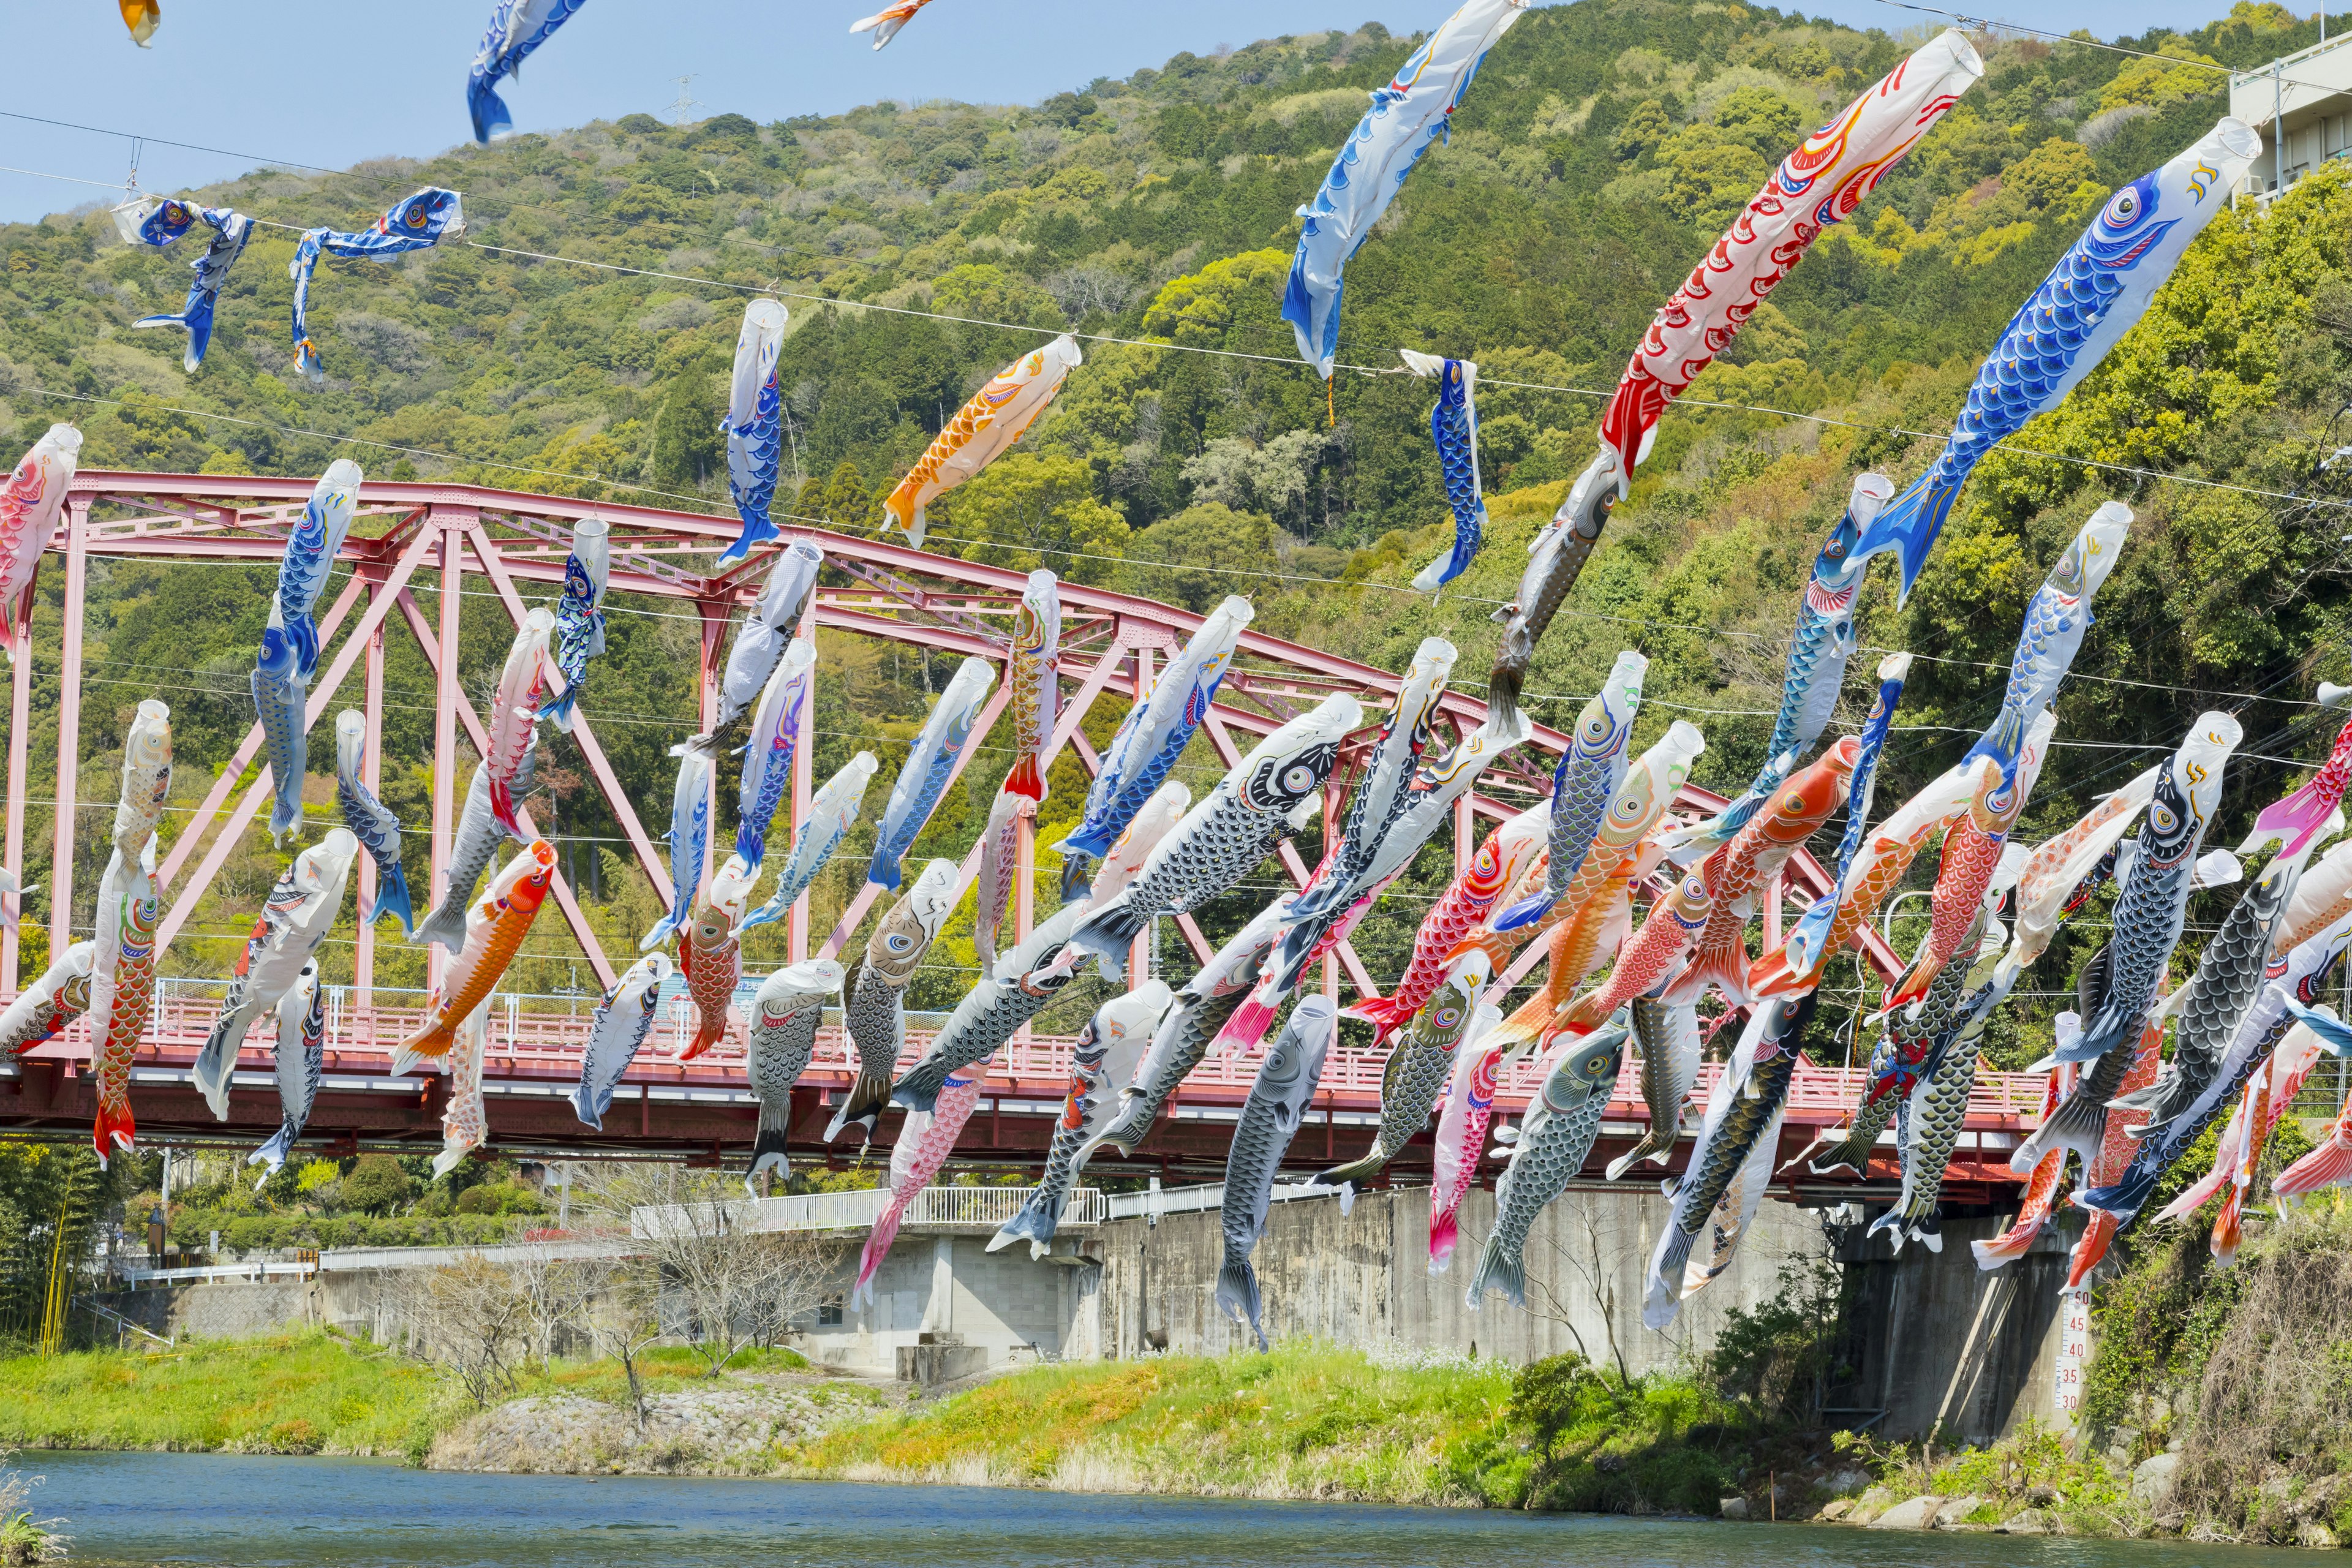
2097,291
1407,118
1453,427
231,230
517,27
416,223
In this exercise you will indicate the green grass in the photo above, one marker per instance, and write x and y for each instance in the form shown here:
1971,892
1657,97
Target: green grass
1305,1421
303,1392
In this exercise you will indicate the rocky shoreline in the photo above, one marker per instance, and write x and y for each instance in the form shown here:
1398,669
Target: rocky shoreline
739,1427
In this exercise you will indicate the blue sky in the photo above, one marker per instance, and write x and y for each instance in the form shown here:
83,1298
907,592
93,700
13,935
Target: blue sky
332,84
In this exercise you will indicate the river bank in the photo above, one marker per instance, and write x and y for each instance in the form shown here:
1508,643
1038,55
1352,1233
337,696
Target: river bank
1306,1423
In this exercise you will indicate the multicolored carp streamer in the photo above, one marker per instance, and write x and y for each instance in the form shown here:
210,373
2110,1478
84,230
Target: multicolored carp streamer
755,427
517,27
372,823
833,811
1464,1108
294,920
580,616
164,226
885,24
1035,681
2155,900
29,505
416,223
2094,294
527,680
689,845
1103,1057
983,429
495,927
1818,651
760,639
1454,427
1156,731
768,760
1820,182
301,1057
617,1031
1407,118
1587,779
923,777
785,1016
1553,1137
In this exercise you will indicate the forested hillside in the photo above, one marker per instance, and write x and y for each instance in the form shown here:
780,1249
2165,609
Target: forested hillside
1603,147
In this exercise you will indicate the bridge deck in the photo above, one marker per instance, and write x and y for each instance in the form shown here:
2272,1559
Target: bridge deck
704,1108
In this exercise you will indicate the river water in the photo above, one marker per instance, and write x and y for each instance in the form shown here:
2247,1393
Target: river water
346,1513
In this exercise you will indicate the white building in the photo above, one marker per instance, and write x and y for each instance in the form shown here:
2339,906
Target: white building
2310,92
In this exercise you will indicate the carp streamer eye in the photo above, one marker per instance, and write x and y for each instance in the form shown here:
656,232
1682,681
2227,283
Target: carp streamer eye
1299,779
2124,209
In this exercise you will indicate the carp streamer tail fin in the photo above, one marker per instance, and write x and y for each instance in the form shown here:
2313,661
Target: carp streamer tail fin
877,1248
1910,525
1445,1233
862,1107
1499,1270
1722,964
1025,778
2123,1198
196,321
1657,1144
585,1107
919,1089
1039,1219
767,1145
1108,932
392,898
214,1064
447,925
115,1130
1355,1173
757,530
274,1153
1384,1014
1237,1297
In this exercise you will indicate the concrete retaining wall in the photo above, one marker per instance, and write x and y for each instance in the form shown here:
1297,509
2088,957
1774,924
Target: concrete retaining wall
1931,1341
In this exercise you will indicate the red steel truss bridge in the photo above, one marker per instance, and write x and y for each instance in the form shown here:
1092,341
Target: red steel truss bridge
409,535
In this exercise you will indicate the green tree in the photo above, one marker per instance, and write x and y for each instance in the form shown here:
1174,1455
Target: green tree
1177,559
688,451
377,1184
1032,509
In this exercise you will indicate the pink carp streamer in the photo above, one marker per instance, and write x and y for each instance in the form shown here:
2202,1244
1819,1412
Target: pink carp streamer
1462,1126
924,1144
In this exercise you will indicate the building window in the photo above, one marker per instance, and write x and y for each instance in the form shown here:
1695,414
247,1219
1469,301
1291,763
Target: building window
828,1313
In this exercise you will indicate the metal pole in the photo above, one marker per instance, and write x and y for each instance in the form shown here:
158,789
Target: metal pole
804,774
445,691
2278,127
20,697
372,774
61,866
1139,952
